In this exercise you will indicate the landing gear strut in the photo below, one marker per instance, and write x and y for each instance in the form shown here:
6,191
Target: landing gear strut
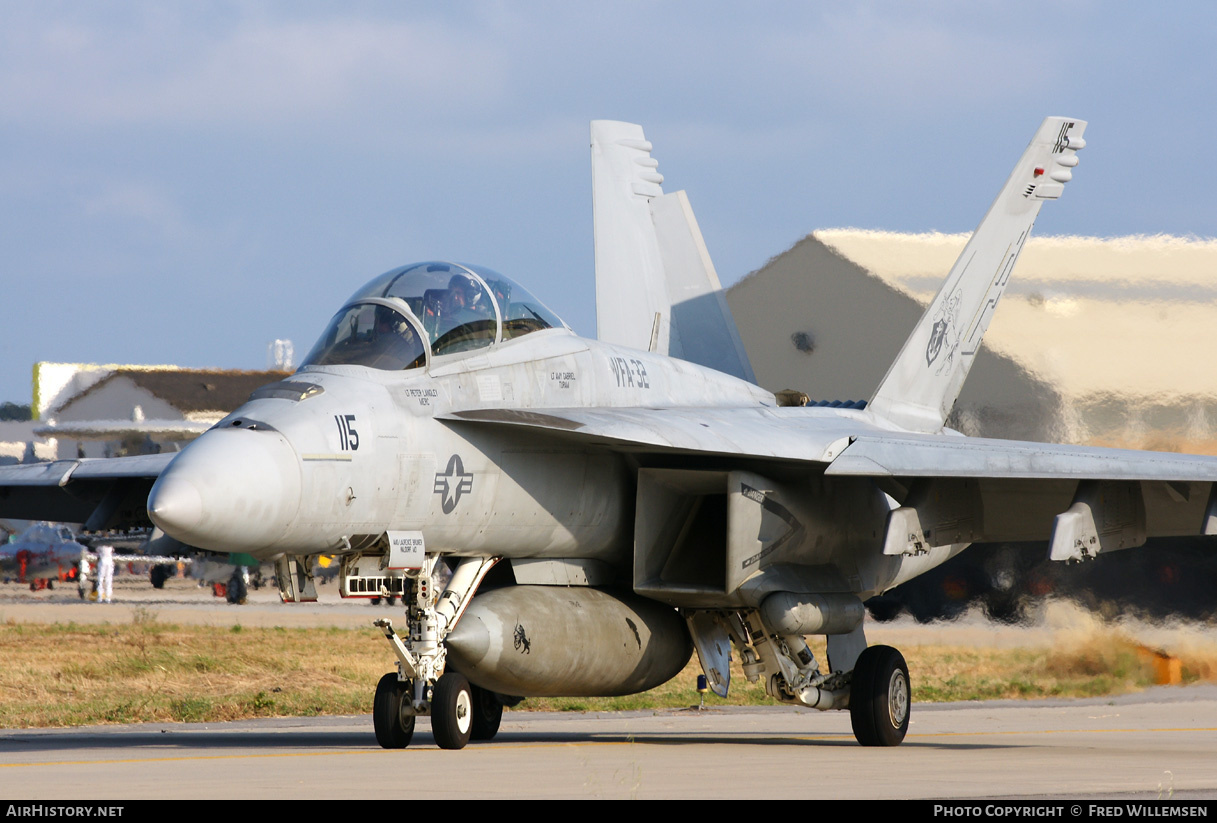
421,685
872,682
879,697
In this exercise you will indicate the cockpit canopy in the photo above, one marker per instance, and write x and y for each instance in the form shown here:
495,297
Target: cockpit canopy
396,321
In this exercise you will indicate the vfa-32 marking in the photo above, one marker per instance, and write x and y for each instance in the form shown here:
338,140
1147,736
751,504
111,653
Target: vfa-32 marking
630,373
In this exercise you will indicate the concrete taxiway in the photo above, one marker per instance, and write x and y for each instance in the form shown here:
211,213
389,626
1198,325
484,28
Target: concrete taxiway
1161,743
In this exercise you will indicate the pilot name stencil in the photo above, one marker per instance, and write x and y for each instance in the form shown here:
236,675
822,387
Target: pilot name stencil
564,379
423,397
453,482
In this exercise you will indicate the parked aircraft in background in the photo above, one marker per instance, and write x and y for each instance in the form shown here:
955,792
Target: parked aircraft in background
40,555
615,503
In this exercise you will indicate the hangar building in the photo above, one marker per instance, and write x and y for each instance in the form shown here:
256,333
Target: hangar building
1099,341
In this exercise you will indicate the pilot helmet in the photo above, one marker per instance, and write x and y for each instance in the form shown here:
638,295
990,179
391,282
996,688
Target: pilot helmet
466,284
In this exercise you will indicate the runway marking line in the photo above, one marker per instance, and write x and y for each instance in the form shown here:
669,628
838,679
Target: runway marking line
1058,731
637,739
292,754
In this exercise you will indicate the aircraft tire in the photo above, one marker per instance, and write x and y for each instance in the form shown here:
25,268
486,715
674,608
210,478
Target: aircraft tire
880,697
487,714
236,592
392,730
452,711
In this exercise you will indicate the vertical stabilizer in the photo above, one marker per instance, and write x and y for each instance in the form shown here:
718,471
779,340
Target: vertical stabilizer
656,287
922,385
702,328
630,289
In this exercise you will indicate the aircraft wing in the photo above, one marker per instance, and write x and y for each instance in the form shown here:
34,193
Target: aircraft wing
99,492
765,433
846,446
944,489
912,456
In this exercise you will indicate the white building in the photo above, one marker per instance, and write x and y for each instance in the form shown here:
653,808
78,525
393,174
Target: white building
88,410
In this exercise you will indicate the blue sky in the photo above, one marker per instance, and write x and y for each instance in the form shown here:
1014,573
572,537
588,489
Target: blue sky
182,183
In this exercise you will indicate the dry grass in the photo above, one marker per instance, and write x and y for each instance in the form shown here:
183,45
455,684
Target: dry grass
68,675
1111,666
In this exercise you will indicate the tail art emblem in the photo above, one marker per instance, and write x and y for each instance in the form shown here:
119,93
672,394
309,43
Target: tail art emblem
937,334
942,329
451,483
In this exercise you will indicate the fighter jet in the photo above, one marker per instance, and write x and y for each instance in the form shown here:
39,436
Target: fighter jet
564,516
43,552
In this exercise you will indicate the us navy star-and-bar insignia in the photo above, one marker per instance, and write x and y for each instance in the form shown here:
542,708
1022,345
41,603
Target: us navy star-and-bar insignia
451,483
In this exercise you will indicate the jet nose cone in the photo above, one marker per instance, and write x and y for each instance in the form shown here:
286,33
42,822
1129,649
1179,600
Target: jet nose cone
175,500
231,490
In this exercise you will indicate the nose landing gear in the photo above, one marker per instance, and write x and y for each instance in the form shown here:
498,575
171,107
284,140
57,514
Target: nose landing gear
452,711
392,712
421,685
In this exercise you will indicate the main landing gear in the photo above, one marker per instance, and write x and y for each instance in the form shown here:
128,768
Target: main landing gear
879,697
871,681
459,711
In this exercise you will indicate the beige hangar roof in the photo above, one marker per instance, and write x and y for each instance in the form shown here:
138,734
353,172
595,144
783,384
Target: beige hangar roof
1088,314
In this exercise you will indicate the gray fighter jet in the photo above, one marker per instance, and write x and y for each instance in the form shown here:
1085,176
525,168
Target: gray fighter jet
564,516
42,552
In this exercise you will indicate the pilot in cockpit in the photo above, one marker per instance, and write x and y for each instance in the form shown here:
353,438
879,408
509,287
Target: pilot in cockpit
463,301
